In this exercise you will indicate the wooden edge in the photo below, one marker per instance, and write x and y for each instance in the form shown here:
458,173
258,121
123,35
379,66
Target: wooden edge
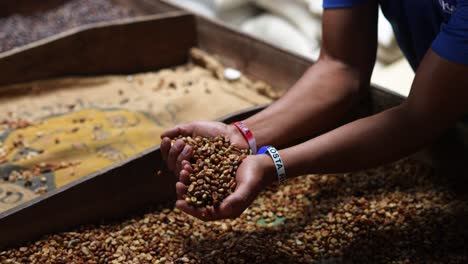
74,183
150,43
107,194
97,25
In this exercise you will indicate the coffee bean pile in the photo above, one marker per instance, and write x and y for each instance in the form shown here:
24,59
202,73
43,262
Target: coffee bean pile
18,29
398,213
214,164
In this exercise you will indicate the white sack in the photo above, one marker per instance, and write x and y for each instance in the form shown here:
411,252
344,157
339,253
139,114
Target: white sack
278,31
295,12
386,36
237,16
200,7
315,6
225,5
231,12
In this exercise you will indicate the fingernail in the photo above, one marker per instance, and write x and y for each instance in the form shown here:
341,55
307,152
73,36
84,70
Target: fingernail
177,146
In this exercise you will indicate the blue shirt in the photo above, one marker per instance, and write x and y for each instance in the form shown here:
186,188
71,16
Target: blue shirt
422,24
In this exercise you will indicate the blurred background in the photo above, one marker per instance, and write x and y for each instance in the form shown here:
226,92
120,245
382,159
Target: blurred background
294,25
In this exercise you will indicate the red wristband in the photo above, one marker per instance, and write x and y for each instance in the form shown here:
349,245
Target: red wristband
248,135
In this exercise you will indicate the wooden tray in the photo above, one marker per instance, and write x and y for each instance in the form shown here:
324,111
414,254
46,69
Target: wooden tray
123,47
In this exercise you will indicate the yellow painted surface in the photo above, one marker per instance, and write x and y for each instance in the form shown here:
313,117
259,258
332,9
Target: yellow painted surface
104,138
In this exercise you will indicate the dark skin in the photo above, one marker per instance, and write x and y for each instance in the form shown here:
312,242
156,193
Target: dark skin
320,99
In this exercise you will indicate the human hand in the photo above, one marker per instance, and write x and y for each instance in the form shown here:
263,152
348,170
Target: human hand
254,174
180,151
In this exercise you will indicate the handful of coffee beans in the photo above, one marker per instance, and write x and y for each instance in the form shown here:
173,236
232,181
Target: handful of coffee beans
214,164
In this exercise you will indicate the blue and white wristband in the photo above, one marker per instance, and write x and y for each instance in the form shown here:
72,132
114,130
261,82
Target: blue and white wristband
275,156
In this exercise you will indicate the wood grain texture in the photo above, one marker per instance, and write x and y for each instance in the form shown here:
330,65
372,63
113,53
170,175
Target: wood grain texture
127,46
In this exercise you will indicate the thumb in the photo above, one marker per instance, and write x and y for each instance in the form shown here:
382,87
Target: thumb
235,204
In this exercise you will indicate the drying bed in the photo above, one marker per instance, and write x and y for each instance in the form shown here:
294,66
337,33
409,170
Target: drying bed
399,213
406,212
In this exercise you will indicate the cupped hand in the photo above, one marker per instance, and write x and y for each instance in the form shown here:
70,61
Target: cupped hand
177,153
254,174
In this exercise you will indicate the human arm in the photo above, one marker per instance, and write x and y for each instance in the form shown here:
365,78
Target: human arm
438,99
330,88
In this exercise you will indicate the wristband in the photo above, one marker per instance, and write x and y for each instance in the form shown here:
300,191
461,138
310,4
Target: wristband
279,165
248,135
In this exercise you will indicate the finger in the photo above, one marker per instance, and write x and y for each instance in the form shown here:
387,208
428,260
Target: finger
183,129
165,147
188,168
198,213
185,162
181,189
184,155
173,153
184,177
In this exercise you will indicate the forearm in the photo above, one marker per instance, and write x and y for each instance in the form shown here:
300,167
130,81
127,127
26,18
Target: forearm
438,99
362,144
317,102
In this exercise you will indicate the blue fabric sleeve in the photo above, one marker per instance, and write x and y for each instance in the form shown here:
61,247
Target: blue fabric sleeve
452,41
340,3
